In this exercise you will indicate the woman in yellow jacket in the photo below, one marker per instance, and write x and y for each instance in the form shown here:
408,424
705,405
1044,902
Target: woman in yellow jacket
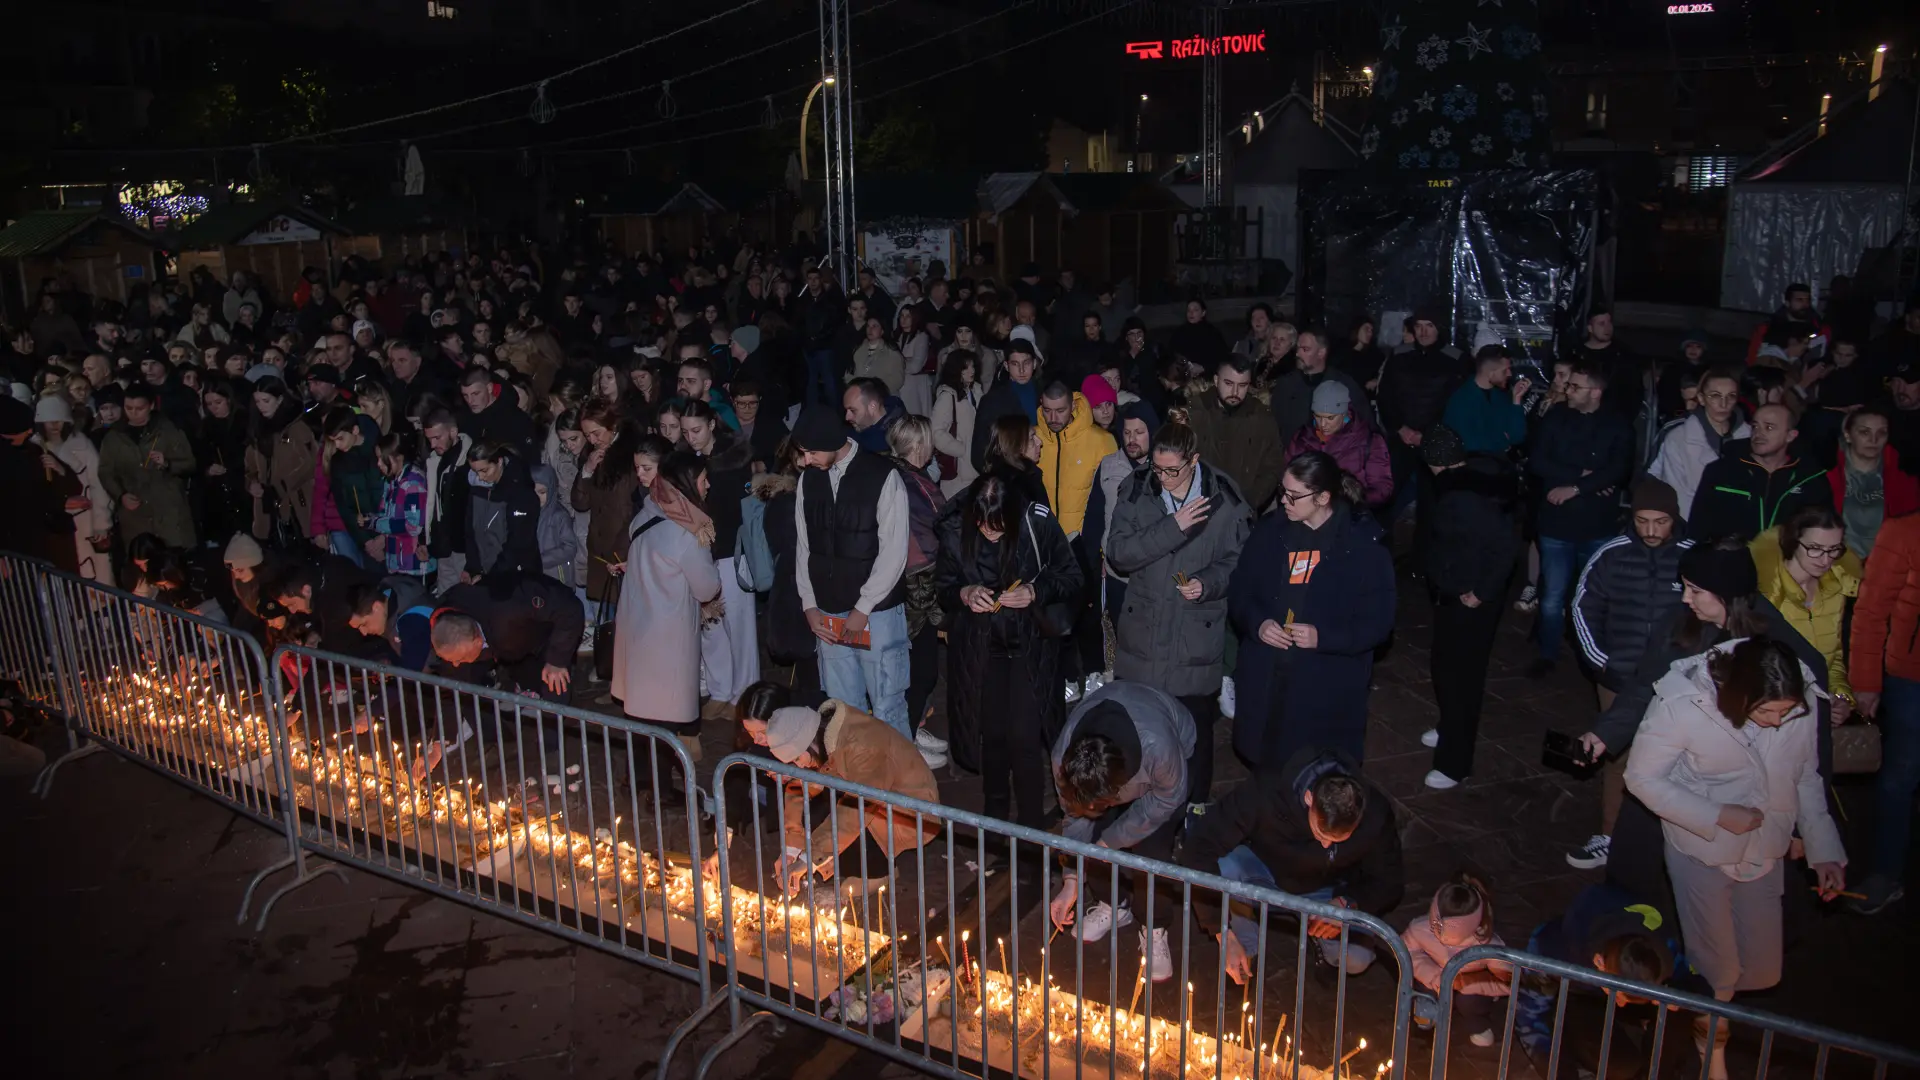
1808,574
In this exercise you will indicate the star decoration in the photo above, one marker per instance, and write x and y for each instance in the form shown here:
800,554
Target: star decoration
1424,103
1477,40
1390,34
1518,160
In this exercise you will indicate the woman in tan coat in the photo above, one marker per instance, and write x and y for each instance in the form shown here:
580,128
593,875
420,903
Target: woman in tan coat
280,460
840,741
604,492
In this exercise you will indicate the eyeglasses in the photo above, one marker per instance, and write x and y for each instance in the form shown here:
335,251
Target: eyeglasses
1170,471
1817,552
1291,497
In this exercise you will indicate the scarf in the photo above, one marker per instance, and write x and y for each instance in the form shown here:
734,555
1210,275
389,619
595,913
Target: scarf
680,510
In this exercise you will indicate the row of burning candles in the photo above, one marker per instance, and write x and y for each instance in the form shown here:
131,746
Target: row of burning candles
999,1001
189,707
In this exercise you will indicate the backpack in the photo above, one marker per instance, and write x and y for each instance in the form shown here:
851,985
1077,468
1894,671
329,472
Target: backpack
752,555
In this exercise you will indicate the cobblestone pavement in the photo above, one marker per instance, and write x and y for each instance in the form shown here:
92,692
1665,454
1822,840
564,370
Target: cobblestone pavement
127,960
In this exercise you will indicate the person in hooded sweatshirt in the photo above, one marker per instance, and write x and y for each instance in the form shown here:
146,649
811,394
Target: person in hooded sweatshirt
503,514
354,478
1475,543
493,413
559,546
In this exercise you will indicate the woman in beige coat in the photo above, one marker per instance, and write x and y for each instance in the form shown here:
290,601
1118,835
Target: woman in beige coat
280,459
955,403
1727,759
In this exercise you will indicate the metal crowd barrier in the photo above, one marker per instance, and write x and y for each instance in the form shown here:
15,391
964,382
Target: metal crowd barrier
566,820
985,989
26,631
1570,1020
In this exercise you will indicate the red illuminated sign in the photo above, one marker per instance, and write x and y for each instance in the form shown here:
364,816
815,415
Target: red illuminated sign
1689,9
1188,48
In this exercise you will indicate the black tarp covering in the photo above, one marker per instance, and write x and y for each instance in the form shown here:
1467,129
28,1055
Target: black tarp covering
1507,255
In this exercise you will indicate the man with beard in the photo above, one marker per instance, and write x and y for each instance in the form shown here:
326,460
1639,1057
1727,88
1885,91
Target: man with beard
1138,422
1759,483
1234,434
1486,411
144,464
1292,393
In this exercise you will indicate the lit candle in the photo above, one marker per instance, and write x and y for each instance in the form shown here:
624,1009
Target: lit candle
1138,982
1350,1053
966,960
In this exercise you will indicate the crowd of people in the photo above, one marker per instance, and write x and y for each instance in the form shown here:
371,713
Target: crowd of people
701,475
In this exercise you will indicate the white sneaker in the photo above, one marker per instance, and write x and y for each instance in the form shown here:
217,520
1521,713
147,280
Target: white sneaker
1100,919
1481,1038
933,760
1073,691
1153,945
928,742
1226,697
1095,681
1440,781
1430,738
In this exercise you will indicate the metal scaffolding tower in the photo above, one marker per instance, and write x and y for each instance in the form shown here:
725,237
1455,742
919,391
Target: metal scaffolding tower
837,218
1212,138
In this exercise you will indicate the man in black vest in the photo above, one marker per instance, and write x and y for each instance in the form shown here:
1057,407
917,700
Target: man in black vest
851,517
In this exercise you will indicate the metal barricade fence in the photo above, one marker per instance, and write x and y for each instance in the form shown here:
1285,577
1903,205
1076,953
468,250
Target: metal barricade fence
875,956
183,695
26,631
563,819
1568,1020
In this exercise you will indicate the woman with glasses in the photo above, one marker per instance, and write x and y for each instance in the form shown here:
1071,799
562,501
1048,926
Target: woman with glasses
1728,758
1808,574
1311,598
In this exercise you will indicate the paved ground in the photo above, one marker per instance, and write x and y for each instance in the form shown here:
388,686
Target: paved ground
124,888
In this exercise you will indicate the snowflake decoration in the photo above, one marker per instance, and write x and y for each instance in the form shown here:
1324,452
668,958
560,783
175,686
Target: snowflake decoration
1516,125
1459,104
1424,103
1415,158
1540,105
1390,34
1399,117
1518,160
1476,41
1431,53
1481,144
1439,137
1518,42
1448,160
1387,84
1370,142
1503,91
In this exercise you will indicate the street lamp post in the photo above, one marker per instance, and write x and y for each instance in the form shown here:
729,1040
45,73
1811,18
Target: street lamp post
804,110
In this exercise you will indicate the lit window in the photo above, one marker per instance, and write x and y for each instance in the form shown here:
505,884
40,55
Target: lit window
1710,171
441,11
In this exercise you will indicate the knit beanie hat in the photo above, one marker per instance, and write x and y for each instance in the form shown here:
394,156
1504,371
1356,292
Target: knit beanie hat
1725,574
1656,495
1442,447
820,428
243,552
52,409
747,337
1332,396
790,731
1098,391
1141,411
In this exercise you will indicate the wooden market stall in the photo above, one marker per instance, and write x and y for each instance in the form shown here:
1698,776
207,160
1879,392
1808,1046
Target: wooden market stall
649,216
1105,226
272,241
401,227
92,249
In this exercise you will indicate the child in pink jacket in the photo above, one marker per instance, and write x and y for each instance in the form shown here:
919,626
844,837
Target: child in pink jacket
1461,916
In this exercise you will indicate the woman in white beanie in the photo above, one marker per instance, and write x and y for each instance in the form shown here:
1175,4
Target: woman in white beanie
92,526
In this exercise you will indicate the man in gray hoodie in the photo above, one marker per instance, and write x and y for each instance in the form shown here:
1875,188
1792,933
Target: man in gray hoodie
1120,766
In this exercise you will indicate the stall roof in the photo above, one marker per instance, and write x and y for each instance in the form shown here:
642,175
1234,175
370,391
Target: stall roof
1865,145
1002,190
941,196
44,231
404,213
234,222
1083,193
1290,142
646,197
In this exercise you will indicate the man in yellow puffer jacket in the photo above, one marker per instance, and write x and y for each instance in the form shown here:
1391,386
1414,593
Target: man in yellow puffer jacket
1071,448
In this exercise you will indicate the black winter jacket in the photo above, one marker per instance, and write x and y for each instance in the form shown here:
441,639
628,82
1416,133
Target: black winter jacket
525,617
1627,594
1737,497
1475,535
1269,815
1568,444
1416,382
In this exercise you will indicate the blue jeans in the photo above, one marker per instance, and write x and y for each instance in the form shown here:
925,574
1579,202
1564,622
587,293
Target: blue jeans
1242,865
872,679
1899,775
821,384
343,545
1561,562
